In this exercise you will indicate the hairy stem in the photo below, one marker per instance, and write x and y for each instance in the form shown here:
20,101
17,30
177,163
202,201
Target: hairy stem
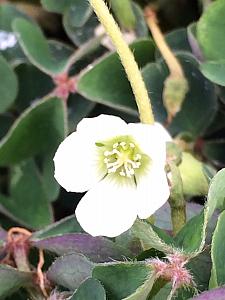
171,60
176,200
127,59
175,85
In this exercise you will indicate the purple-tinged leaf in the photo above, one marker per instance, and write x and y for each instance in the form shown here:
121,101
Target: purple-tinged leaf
215,294
11,280
191,32
70,270
98,249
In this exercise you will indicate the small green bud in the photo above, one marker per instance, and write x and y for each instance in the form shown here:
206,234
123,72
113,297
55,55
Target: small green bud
175,90
194,180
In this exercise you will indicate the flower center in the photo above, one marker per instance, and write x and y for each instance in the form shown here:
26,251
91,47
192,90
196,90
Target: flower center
122,159
122,156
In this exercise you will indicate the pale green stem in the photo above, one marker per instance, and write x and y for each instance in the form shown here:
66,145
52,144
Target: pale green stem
127,59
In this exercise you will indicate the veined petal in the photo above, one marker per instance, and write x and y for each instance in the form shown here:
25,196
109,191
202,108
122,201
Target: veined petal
152,191
102,127
76,163
151,139
107,209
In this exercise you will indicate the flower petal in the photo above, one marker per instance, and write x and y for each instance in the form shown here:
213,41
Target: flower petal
76,165
151,139
102,127
153,191
108,209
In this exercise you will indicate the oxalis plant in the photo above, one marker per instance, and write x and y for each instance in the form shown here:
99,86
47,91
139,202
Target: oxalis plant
130,137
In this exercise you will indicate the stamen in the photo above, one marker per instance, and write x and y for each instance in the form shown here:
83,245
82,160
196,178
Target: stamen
107,153
122,159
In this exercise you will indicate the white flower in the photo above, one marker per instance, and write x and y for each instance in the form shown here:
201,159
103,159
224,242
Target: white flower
120,165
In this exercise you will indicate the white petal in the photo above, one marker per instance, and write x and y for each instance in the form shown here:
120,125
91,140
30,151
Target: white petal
107,209
102,127
76,167
153,191
151,139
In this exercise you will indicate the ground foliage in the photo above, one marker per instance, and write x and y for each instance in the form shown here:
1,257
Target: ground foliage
54,37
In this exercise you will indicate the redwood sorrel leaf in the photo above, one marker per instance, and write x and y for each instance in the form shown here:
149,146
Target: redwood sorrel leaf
8,85
106,82
66,225
125,280
36,48
91,289
11,280
98,249
27,203
217,250
70,270
214,294
39,129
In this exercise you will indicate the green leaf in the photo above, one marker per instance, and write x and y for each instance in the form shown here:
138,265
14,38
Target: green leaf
200,98
106,82
80,35
11,280
78,13
130,281
130,242
124,13
91,289
66,225
195,229
33,84
201,262
78,108
55,5
36,47
28,202
70,270
216,194
39,129
8,85
214,71
211,31
217,253
149,238
141,27
192,235
8,13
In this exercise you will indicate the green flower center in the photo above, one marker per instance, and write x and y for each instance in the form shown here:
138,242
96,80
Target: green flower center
122,156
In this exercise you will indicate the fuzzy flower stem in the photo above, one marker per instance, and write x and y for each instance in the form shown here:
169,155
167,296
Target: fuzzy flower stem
171,60
127,59
176,200
175,85
178,215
